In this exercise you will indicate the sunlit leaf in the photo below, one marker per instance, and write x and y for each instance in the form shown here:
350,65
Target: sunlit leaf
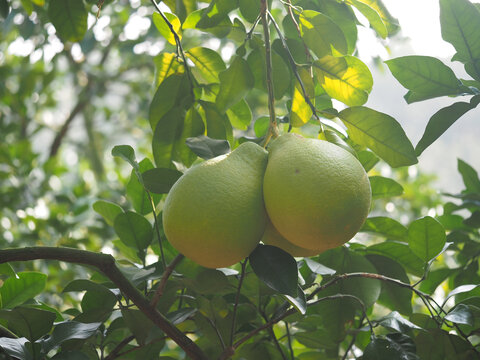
372,16
346,79
208,64
400,252
301,111
164,29
390,22
240,115
381,133
166,64
383,187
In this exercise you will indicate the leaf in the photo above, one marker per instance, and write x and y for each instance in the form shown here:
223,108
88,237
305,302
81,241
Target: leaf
208,64
390,22
469,176
165,136
6,270
17,348
250,9
70,330
383,187
426,77
215,13
385,226
441,121
208,148
164,29
4,8
166,64
261,126
393,347
321,34
133,230
160,180
301,112
69,18
332,137
460,20
70,355
368,159
435,278
276,268
136,192
460,290
393,296
240,115
346,79
16,290
218,125
235,82
28,322
461,314
318,268
108,210
381,133
372,16
179,316
395,322
138,323
401,253
127,153
299,302
426,238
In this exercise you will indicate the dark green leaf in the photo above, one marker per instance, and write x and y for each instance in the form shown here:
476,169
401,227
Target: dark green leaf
4,8
469,176
70,355
250,9
460,20
16,348
383,187
208,148
392,347
401,253
426,238
179,316
474,220
108,210
218,124
127,153
426,77
6,270
16,290
138,323
134,230
435,278
69,330
320,33
381,133
235,82
385,226
160,180
136,192
441,121
395,322
28,322
276,268
461,314
165,136
69,18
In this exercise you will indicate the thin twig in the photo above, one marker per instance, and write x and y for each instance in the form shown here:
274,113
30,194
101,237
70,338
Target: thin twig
237,297
114,353
289,340
163,281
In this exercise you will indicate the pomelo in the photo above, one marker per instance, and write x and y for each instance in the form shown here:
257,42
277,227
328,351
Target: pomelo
317,194
214,214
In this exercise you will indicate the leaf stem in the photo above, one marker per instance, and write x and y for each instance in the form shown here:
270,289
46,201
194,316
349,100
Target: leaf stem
237,297
163,281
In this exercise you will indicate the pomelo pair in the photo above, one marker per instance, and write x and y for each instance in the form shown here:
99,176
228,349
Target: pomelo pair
316,195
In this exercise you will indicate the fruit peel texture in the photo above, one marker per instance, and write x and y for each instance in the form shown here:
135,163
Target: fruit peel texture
317,194
215,214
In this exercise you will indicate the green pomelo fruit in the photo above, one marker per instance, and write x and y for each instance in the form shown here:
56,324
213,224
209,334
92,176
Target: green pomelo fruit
214,214
272,237
317,194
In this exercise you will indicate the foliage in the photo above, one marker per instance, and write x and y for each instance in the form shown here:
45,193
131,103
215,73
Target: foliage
189,80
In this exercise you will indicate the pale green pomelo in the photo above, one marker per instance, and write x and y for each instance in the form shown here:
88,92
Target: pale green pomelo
272,237
317,194
214,214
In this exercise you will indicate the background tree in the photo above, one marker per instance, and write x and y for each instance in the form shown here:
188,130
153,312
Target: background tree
187,80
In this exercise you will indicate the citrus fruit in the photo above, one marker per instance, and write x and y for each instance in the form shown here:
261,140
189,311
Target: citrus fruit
317,194
272,237
214,214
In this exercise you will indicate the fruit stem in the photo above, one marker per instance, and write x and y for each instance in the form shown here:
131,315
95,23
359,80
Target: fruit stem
273,128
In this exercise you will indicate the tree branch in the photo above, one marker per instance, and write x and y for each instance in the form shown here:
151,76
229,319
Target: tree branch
106,264
163,281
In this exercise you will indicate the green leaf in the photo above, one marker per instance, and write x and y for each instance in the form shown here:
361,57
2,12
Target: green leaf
29,322
435,278
426,238
70,355
301,112
276,268
215,13
386,227
138,323
16,290
136,192
4,8
166,64
208,148
134,230
164,29
127,153
6,270
392,347
401,253
442,120
321,34
368,159
395,322
346,79
393,296
235,82
299,301
261,126
469,176
160,180
240,115
381,133
69,330
18,348
218,125
383,187
208,64
461,314
108,210
250,9
460,290
372,16
390,22
165,136
426,77
460,20
69,18
332,137
318,268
